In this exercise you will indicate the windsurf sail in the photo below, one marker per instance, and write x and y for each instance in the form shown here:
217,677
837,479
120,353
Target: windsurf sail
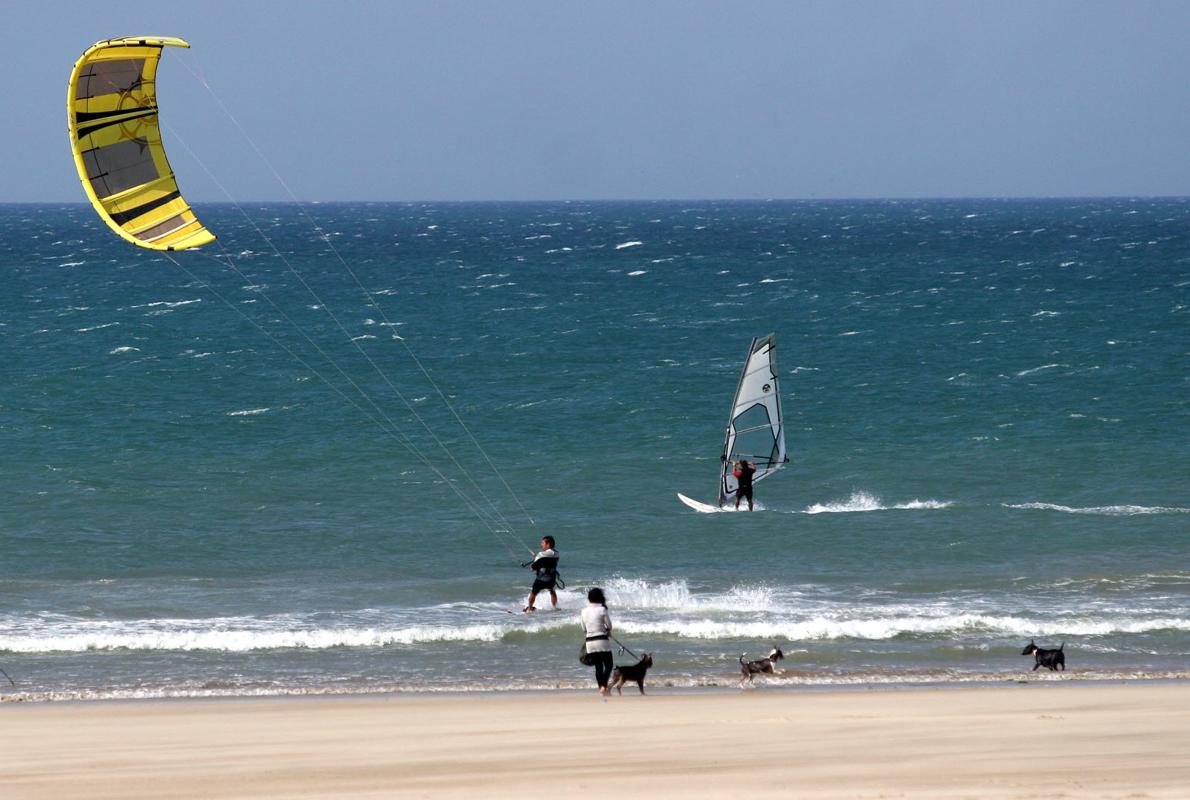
755,428
115,135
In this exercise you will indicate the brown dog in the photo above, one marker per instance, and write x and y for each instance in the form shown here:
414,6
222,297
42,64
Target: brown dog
633,672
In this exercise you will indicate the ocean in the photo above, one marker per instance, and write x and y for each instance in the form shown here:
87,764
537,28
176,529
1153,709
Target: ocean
311,457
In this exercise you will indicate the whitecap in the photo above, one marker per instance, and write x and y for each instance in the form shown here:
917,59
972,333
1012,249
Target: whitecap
1111,511
637,272
1042,368
624,245
124,350
861,501
167,303
248,412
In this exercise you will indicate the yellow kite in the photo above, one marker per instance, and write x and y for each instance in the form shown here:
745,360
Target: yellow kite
116,138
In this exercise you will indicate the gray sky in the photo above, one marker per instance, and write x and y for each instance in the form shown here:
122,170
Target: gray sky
553,99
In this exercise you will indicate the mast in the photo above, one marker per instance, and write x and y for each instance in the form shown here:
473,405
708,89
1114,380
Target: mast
725,462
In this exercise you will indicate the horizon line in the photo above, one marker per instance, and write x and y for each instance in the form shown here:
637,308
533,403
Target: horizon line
888,199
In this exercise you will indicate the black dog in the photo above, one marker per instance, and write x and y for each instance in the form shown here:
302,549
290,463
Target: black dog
1050,659
633,672
750,669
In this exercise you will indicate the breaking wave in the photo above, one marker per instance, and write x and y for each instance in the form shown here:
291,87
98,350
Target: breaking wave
247,640
697,623
628,593
828,628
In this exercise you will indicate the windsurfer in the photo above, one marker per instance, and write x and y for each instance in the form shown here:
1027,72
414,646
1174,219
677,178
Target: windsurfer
743,473
545,564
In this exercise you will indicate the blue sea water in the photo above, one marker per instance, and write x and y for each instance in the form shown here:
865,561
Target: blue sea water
222,473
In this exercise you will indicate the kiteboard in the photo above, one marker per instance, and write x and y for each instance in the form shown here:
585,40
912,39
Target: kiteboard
755,428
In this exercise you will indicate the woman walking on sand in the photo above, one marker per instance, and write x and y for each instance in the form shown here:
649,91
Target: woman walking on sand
597,626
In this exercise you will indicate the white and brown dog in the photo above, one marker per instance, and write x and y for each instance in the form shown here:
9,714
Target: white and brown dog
761,666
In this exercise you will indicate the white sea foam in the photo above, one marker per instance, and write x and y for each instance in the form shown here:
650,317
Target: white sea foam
625,245
123,350
914,505
637,272
865,501
248,412
878,628
1172,579
167,636
727,678
1111,511
96,327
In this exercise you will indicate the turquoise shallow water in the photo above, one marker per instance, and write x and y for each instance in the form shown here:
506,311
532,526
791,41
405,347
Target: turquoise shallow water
987,420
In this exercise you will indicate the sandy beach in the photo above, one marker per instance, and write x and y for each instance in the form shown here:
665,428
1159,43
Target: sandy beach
1018,741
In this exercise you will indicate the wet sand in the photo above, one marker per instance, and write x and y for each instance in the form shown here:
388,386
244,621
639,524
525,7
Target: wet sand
1013,741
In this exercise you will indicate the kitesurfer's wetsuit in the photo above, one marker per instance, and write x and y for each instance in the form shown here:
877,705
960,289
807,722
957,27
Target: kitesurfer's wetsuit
545,564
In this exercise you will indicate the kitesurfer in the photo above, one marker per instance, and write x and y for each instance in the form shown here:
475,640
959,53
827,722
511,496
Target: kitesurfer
545,564
743,474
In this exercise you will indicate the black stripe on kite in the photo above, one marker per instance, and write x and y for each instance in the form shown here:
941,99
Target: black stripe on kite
83,117
120,217
97,123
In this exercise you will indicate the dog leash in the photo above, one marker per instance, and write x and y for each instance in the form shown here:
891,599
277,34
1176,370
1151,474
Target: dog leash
623,647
